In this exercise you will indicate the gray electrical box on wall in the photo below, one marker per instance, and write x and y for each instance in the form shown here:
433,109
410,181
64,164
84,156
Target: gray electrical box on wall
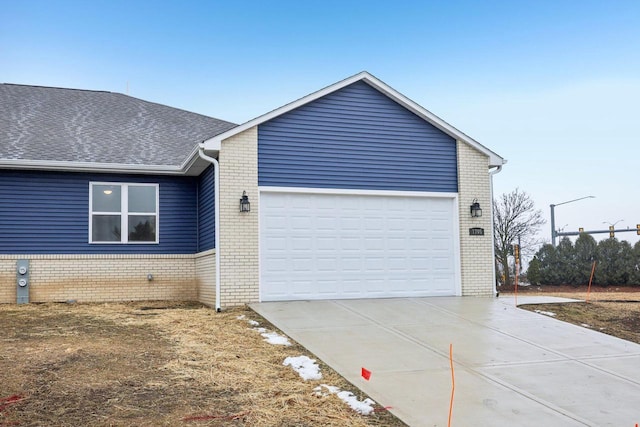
22,281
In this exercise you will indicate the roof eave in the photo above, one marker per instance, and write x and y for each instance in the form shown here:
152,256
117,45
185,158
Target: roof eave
65,166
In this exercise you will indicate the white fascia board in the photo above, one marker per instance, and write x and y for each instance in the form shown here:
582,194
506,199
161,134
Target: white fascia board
90,167
215,143
357,192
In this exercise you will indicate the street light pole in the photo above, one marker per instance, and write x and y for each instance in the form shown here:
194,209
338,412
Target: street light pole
553,224
554,233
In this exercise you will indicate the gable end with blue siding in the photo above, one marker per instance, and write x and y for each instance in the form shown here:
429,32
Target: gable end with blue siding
358,138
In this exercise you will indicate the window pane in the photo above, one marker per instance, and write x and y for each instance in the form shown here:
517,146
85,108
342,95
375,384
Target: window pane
142,199
105,228
142,228
106,198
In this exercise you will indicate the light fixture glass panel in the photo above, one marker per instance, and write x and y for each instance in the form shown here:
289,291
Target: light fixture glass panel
106,198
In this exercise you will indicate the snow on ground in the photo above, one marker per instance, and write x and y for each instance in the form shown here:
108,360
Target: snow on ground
270,337
364,407
304,366
585,325
274,338
546,313
331,389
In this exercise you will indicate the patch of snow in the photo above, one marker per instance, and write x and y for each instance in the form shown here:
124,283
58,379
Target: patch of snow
304,366
261,330
546,313
253,322
241,317
584,325
331,389
364,407
275,338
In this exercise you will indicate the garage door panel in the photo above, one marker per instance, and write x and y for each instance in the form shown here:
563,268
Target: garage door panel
350,224
276,222
328,288
318,246
302,263
375,264
352,287
398,263
327,242
276,243
303,243
352,243
327,262
277,265
374,243
375,286
350,263
441,243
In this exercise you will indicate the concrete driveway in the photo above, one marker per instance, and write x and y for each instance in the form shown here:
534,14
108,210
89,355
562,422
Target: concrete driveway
512,367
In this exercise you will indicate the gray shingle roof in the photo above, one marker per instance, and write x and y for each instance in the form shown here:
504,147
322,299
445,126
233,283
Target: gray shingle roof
71,125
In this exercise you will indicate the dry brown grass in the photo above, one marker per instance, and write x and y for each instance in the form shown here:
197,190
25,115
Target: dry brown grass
151,364
614,310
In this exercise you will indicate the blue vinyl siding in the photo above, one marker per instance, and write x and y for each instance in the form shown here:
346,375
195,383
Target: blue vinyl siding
48,213
358,138
206,210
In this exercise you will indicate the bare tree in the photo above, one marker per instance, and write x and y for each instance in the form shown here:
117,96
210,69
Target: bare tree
515,219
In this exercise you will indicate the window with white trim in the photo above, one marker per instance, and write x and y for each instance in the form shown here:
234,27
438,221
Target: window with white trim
123,212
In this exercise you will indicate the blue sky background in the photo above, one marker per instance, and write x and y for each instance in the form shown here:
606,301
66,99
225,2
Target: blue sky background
553,86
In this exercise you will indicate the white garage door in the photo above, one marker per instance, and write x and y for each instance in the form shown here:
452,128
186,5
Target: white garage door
328,246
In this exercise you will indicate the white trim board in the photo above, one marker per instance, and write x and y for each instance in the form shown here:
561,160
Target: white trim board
358,192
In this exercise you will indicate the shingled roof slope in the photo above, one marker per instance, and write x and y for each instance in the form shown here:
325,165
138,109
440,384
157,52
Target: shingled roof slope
71,125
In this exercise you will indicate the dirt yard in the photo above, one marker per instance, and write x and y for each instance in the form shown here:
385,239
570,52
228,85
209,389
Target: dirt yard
613,310
153,364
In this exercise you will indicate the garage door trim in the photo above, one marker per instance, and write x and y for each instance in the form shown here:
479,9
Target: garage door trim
361,192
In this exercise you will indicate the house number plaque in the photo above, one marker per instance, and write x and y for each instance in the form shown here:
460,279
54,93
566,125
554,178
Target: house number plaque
476,231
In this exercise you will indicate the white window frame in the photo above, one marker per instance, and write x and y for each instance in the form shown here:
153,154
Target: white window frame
124,212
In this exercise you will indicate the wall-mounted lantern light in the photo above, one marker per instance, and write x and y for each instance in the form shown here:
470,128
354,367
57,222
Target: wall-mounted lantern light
245,206
475,209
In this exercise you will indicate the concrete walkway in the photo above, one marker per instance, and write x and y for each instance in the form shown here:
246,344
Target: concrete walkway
512,367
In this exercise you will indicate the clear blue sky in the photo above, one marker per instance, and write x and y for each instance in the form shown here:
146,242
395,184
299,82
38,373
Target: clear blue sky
553,86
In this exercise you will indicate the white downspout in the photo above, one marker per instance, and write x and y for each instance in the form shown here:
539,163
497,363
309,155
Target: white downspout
497,170
216,208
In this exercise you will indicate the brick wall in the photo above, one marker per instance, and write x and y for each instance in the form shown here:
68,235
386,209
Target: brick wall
476,252
239,231
98,278
205,268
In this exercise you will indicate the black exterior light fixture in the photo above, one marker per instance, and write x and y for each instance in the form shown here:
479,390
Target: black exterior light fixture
476,212
245,206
